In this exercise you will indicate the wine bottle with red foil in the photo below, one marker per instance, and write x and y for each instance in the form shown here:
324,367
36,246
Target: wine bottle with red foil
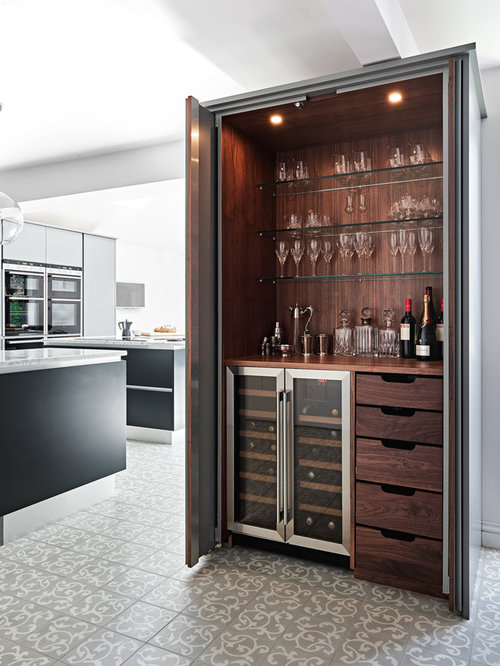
440,330
407,333
426,343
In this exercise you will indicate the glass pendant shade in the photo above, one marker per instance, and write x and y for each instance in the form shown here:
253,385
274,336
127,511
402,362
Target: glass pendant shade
11,219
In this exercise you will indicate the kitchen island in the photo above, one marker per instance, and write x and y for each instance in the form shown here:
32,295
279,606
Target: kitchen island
63,433
155,383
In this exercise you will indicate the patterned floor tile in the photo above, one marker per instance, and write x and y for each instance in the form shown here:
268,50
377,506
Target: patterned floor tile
135,583
59,535
452,636
96,545
284,655
486,648
154,537
233,647
100,607
415,656
91,570
60,636
187,636
62,593
29,552
104,648
129,554
177,594
141,621
19,618
12,654
365,648
150,655
162,563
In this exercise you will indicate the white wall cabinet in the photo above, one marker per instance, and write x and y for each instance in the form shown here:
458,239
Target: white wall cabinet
99,285
64,248
28,246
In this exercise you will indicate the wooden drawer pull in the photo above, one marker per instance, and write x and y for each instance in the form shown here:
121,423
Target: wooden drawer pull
397,490
397,411
397,444
400,379
399,536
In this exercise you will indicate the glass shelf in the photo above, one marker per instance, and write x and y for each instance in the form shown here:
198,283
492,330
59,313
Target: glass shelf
379,226
355,180
355,277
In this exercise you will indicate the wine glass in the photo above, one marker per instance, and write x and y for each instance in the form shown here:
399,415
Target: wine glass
403,245
313,250
412,248
362,202
282,249
430,248
424,238
327,251
393,248
297,250
359,246
349,206
369,248
346,249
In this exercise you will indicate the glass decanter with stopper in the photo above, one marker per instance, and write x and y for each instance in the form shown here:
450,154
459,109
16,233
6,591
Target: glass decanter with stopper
343,335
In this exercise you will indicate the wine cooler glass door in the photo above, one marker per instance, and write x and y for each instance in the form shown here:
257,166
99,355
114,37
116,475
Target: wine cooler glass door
255,460
318,460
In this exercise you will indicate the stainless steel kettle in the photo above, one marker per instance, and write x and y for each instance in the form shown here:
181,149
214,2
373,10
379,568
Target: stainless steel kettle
124,327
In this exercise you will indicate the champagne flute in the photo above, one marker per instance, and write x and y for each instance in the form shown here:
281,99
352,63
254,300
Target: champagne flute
393,248
423,240
297,250
403,245
313,250
281,249
412,248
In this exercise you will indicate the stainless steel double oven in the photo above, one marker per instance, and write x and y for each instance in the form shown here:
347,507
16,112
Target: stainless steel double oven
40,302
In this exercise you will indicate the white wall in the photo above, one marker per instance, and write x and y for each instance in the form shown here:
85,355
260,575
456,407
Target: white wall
491,308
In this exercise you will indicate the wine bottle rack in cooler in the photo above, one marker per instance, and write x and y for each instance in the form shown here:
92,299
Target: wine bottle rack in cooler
288,456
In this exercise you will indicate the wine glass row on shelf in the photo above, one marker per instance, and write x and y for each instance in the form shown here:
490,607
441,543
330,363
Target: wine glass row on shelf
401,242
357,161
355,179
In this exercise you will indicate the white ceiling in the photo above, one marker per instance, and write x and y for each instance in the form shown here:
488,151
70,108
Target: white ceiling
82,77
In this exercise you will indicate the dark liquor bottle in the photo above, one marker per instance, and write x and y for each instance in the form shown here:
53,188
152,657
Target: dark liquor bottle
432,312
407,334
440,330
426,343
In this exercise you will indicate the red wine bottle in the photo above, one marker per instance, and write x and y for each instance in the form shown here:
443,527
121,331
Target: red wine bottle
407,334
426,343
440,330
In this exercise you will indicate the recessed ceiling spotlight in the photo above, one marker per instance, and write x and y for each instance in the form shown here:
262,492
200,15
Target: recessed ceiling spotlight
276,119
395,97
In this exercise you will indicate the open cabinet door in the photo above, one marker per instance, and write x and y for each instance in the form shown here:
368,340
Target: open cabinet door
201,332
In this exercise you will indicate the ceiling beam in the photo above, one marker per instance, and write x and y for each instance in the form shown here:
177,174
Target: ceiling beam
375,30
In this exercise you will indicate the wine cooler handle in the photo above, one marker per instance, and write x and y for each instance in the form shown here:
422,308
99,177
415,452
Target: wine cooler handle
285,457
279,444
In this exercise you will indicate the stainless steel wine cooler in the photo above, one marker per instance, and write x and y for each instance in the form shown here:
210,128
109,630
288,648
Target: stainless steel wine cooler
288,434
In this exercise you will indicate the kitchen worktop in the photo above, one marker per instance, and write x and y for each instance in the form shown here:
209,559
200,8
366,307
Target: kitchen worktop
23,360
138,342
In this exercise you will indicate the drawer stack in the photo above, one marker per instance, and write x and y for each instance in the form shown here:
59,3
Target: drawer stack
399,472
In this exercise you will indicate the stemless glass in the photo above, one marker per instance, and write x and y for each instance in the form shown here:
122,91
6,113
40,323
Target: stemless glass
327,251
412,248
297,250
341,163
282,249
395,157
313,250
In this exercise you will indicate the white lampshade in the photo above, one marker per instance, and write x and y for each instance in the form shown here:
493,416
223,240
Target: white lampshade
11,219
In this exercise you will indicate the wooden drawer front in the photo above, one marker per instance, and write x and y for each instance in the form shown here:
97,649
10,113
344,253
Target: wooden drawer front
399,508
400,391
406,424
396,463
418,560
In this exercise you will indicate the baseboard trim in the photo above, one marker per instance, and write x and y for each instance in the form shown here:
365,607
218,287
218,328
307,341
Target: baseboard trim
490,535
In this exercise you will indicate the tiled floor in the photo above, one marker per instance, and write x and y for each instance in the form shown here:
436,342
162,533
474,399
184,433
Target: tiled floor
107,587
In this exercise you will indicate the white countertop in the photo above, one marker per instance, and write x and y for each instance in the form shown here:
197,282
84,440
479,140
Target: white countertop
135,343
23,360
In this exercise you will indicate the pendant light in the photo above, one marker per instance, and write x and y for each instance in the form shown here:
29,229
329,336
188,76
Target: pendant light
11,219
